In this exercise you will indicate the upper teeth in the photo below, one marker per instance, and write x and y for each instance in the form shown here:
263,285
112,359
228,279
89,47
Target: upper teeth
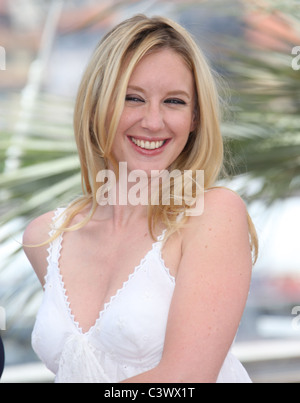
148,145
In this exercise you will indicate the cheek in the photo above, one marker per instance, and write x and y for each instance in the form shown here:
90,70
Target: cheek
128,119
121,126
182,126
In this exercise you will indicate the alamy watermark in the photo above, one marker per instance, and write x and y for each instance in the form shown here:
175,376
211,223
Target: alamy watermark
2,58
2,318
296,59
159,188
296,320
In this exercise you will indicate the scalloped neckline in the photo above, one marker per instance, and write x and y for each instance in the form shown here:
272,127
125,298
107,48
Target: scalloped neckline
106,306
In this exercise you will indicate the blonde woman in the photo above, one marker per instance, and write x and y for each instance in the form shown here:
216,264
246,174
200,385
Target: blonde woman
135,292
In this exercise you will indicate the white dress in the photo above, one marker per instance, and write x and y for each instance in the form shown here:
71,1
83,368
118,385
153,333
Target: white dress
128,336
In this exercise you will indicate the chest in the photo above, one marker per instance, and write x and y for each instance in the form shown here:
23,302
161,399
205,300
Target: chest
132,332
94,268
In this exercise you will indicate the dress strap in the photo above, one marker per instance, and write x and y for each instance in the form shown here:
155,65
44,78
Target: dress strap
161,238
56,245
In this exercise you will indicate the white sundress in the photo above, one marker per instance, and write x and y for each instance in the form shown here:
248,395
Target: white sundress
128,336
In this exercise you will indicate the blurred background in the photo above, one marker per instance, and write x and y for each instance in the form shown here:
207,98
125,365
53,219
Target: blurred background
44,48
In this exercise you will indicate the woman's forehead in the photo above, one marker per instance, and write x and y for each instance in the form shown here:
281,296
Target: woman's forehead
165,67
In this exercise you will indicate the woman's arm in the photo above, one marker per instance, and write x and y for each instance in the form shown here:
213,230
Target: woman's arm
211,290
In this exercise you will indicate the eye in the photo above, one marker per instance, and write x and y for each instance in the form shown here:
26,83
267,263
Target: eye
133,98
175,101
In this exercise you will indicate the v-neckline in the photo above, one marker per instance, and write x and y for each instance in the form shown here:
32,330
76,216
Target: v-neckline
106,305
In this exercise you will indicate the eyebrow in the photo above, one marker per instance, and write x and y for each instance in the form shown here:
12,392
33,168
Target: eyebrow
170,93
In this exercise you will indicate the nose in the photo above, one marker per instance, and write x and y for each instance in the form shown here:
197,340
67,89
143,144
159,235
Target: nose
153,119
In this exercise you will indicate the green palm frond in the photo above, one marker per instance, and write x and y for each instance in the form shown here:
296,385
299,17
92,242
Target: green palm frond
48,163
47,176
264,134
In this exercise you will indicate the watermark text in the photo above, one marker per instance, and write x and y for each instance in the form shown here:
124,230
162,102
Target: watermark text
296,59
2,58
2,318
159,188
296,320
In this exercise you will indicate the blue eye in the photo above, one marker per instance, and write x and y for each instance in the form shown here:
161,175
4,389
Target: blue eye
175,102
132,98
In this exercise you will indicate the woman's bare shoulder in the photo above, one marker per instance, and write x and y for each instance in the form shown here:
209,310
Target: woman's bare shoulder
221,229
221,206
37,233
224,200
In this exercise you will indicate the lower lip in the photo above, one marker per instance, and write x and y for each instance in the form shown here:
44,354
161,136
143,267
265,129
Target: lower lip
143,151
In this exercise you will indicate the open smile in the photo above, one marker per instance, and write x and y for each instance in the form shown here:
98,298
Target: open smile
148,146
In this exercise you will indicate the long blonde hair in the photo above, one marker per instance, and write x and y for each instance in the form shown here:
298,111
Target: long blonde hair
102,93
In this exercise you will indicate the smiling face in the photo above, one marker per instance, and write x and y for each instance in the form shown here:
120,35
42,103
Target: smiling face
158,115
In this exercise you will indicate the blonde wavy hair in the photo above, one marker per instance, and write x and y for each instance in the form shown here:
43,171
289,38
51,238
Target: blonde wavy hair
100,103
